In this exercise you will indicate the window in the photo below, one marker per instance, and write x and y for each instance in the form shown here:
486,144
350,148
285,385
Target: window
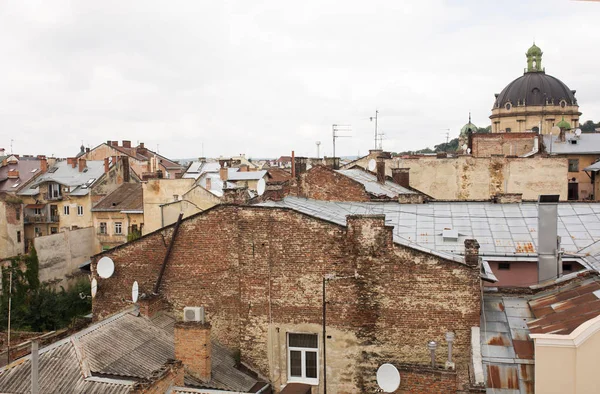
37,211
303,358
508,106
53,230
18,236
503,266
175,197
508,129
103,228
79,210
37,231
53,190
563,103
118,228
18,213
66,210
573,165
535,129
567,267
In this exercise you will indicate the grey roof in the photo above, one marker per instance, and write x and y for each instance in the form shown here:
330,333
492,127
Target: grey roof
594,167
78,182
198,168
506,349
124,345
234,174
28,167
501,229
534,88
586,143
369,180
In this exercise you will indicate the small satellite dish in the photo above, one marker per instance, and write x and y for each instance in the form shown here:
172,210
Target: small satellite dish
372,165
94,287
261,186
308,166
135,291
388,378
555,130
577,132
105,267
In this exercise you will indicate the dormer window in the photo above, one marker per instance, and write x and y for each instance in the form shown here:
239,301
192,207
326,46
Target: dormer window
508,106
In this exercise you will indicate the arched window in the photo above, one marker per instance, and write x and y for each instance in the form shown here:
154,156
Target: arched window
535,129
508,106
508,130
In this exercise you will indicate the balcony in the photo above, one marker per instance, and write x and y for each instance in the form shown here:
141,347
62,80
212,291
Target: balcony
52,196
43,218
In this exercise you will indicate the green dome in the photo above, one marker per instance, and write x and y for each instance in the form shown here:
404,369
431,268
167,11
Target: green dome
534,50
563,124
467,127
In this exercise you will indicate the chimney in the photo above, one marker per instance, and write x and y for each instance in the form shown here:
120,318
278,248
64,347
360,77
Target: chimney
126,144
193,348
208,184
109,143
549,259
293,165
125,164
472,252
375,152
13,174
300,165
141,146
106,165
401,176
82,163
380,170
223,173
244,168
35,367
114,143
332,162
43,164
87,150
72,162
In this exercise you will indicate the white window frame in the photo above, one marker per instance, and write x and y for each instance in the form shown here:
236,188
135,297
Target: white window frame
66,210
80,210
303,350
118,228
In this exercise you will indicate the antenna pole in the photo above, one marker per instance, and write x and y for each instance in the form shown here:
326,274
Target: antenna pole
324,338
375,118
333,140
11,146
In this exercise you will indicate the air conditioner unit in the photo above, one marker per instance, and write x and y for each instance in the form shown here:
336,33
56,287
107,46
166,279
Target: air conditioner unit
193,313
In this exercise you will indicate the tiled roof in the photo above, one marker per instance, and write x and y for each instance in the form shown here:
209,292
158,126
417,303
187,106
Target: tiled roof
562,311
369,180
277,174
65,174
508,230
28,167
127,197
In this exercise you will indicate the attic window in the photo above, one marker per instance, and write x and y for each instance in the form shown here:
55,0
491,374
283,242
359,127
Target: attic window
573,142
450,235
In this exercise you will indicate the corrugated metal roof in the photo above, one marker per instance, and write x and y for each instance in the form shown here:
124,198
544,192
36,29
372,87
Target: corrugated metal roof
388,189
234,174
66,175
505,230
560,311
506,350
586,143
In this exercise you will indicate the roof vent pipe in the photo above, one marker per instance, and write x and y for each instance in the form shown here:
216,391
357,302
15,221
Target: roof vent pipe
432,345
549,258
450,339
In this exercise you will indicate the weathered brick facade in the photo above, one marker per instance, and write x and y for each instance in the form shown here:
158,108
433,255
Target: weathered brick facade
322,183
259,271
507,144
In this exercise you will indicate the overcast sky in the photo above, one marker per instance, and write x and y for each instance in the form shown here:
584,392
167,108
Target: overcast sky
266,77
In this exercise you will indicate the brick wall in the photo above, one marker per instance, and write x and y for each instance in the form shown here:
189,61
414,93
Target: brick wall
171,375
508,144
425,380
257,270
322,183
193,348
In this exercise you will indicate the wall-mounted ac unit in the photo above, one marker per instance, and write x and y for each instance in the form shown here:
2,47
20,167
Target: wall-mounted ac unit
193,313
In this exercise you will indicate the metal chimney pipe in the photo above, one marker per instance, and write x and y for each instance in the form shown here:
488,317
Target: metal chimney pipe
549,262
432,345
35,383
450,339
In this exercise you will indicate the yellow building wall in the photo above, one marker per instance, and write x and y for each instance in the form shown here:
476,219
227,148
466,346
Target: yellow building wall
525,118
111,239
586,188
157,192
196,200
10,245
103,151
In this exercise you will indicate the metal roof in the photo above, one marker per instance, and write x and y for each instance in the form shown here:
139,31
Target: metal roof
506,349
502,230
388,189
27,167
586,143
594,167
78,182
234,174
534,88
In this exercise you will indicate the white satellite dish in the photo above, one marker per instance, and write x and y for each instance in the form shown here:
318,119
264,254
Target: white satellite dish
577,132
372,165
555,130
308,166
261,186
105,267
388,378
94,287
135,291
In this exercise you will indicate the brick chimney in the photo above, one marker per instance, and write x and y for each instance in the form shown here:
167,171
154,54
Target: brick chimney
332,162
106,165
293,164
72,162
380,169
126,144
13,174
193,348
109,143
114,143
82,163
224,173
244,168
300,165
208,184
401,176
43,164
471,252
125,165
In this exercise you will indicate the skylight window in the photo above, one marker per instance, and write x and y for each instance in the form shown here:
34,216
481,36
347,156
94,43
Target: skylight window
16,185
34,170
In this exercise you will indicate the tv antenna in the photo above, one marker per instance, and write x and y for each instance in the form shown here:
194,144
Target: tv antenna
337,128
318,146
447,138
375,118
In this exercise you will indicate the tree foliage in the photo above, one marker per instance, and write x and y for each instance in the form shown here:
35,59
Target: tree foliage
450,147
589,126
35,306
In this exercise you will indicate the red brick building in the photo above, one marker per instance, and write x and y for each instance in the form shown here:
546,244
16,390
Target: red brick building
259,272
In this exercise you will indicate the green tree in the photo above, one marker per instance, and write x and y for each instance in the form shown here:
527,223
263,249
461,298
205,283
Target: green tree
589,126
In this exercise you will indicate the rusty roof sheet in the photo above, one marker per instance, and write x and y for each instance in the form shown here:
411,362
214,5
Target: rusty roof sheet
560,311
506,349
126,197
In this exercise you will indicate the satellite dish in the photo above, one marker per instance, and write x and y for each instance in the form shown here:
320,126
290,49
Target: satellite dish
388,378
372,165
135,291
577,132
308,166
555,130
261,186
105,267
94,287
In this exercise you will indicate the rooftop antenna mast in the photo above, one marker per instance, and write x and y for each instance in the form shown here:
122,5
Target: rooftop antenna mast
447,139
376,132
11,146
318,150
337,128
